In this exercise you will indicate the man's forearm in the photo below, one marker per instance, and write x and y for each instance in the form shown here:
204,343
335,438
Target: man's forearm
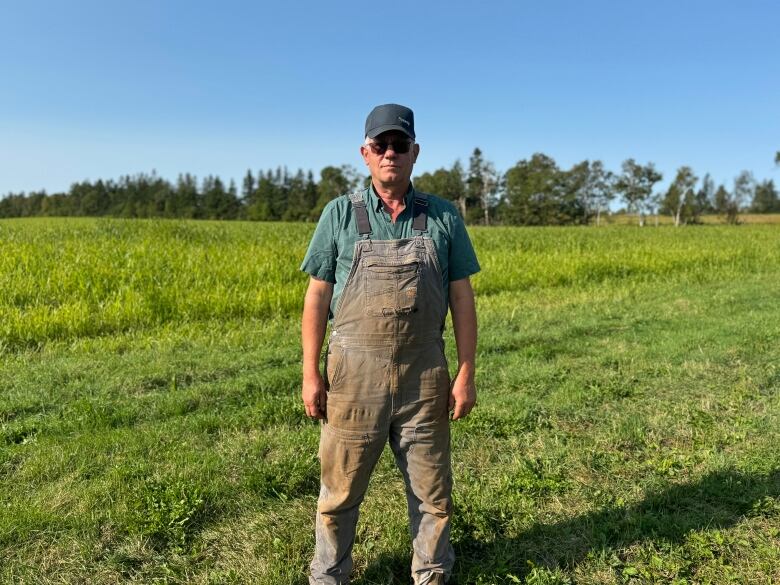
314,324
463,391
464,321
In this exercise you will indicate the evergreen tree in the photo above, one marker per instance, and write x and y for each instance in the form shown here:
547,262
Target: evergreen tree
160,200
456,190
259,208
248,186
186,196
704,198
232,205
277,201
720,200
310,198
297,208
56,204
93,199
128,196
219,203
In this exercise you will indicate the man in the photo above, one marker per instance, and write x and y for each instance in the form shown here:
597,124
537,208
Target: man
385,262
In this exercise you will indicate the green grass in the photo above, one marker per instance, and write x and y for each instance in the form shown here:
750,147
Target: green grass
150,426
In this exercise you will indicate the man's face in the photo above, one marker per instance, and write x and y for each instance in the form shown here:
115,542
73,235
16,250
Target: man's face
390,168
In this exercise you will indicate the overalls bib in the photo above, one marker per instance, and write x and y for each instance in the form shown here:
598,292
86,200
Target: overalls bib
388,382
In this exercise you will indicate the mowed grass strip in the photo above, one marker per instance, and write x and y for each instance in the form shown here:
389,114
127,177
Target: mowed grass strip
626,431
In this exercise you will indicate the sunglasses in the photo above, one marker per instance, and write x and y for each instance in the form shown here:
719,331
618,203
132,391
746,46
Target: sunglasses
400,147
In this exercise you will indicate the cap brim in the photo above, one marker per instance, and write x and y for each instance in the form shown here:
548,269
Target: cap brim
379,129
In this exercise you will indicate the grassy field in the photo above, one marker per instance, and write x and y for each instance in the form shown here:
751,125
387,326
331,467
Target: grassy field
711,219
628,425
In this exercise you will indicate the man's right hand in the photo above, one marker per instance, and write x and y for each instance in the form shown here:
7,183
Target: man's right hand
315,396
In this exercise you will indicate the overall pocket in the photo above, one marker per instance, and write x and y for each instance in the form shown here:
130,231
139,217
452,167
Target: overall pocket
391,289
334,365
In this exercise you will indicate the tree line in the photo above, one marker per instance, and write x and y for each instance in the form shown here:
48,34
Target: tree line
535,191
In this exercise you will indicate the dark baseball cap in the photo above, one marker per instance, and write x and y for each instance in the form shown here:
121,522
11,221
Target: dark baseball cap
390,117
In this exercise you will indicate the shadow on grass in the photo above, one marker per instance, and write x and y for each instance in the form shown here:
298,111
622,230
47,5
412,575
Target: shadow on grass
719,500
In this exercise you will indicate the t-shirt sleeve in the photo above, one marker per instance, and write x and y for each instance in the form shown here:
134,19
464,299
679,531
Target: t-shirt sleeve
462,260
320,259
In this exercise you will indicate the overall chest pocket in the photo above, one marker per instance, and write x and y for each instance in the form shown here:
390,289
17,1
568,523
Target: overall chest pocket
390,288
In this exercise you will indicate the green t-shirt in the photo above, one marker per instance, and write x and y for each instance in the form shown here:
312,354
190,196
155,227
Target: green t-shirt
330,252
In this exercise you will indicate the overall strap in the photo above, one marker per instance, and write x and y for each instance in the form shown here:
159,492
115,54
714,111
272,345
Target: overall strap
361,214
420,212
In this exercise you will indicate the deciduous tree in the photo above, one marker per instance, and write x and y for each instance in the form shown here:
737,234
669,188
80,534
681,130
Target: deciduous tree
765,198
537,192
636,185
680,198
446,183
482,185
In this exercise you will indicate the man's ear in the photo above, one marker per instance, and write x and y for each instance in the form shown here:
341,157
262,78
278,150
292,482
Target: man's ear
364,154
416,151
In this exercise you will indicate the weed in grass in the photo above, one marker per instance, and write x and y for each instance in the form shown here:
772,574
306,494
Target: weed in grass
167,512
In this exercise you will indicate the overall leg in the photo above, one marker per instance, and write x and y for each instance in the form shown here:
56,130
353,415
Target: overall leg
351,441
420,440
347,460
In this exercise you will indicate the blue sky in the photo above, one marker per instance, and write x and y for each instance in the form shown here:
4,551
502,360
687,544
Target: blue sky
92,89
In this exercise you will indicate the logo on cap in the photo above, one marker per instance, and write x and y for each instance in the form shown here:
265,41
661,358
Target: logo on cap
400,119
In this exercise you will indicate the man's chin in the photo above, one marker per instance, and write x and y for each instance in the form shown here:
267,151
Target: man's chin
392,178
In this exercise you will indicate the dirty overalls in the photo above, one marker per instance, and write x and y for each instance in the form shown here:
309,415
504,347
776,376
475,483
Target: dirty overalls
388,381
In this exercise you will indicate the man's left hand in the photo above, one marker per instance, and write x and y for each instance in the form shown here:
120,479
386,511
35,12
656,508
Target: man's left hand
463,394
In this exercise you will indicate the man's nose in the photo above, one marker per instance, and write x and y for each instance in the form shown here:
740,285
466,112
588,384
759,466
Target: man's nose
390,152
